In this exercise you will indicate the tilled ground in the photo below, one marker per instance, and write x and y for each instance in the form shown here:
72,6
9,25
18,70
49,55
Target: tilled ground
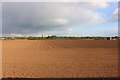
60,58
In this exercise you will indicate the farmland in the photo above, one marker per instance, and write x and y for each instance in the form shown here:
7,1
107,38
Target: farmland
59,58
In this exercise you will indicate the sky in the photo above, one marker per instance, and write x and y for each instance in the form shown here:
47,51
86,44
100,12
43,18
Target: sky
59,18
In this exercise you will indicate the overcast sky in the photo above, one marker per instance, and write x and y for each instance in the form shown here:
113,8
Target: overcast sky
60,18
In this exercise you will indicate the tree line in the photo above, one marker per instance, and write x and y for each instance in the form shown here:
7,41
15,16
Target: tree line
53,37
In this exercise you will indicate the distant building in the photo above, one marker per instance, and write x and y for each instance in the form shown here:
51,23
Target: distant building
112,38
3,38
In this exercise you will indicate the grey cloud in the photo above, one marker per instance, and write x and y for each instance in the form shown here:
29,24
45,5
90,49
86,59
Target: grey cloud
31,17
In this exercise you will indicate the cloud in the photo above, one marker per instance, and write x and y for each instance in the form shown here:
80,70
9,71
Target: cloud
115,15
92,5
31,18
16,35
99,5
12,35
61,21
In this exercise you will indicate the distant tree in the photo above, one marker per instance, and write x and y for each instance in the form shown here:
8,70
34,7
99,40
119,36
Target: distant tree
53,37
48,37
30,38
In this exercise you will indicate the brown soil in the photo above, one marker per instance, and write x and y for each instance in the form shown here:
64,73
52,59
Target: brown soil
60,58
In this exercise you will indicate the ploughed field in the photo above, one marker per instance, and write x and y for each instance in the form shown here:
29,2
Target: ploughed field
60,58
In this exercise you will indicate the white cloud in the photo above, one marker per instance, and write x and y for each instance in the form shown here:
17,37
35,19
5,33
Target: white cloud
61,21
99,5
69,31
16,35
115,11
115,15
93,5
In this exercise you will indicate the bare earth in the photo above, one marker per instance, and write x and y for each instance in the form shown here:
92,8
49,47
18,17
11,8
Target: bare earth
60,58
